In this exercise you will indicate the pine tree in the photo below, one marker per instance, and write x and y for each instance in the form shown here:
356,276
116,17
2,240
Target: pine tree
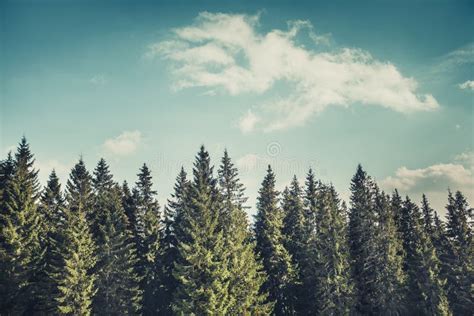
270,248
363,242
428,216
20,229
308,264
117,281
461,263
147,236
203,275
295,235
169,234
425,287
391,278
79,188
76,280
7,169
52,209
333,294
246,275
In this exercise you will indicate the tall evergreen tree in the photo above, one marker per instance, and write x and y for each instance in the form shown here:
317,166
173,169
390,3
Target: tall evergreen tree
79,188
391,278
363,242
203,275
52,209
428,216
461,263
147,236
333,294
425,287
276,260
246,275
308,264
170,233
76,278
20,229
295,236
117,280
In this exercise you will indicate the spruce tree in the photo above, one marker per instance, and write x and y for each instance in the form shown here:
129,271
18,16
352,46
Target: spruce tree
461,263
270,248
20,230
203,274
308,264
117,281
76,278
79,188
295,235
391,278
170,233
333,293
246,275
426,295
52,209
363,242
147,237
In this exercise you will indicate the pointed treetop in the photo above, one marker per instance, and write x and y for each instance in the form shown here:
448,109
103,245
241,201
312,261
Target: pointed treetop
102,176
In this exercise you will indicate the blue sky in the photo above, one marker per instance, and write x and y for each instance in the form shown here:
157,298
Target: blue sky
388,84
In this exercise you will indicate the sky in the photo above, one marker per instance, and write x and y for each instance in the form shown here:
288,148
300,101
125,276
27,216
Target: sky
320,84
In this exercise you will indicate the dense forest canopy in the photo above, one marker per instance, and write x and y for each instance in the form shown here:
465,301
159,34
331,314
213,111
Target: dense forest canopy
94,246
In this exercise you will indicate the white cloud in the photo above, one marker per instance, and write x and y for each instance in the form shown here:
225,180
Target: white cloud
124,144
98,80
468,85
458,175
248,121
226,52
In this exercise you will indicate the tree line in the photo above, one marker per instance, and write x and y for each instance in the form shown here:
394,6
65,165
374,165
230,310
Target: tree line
98,247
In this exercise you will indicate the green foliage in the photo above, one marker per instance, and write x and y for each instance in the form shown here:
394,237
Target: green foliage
117,281
426,295
170,233
461,248
147,237
270,248
76,279
53,212
107,250
333,293
245,271
20,229
203,274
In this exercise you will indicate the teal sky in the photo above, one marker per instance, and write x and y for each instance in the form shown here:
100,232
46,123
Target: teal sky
388,84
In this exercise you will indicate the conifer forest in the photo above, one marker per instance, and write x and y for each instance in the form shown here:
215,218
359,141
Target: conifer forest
94,246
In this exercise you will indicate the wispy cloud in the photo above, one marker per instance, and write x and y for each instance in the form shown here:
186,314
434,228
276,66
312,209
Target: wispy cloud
124,144
468,85
455,59
98,80
226,52
248,121
46,166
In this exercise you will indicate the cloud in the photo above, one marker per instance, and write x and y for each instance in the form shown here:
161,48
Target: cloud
98,80
124,144
248,121
468,85
227,53
455,59
458,175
